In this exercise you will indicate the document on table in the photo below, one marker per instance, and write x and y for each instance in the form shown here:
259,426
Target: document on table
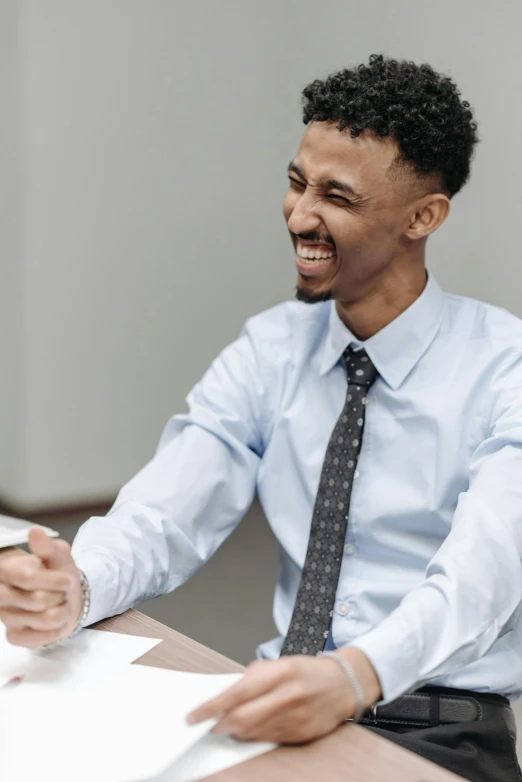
128,726
85,651
211,754
14,532
126,722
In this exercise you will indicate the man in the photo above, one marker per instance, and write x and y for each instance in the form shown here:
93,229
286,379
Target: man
380,422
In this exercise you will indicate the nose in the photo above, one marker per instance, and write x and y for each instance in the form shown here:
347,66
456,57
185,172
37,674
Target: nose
303,217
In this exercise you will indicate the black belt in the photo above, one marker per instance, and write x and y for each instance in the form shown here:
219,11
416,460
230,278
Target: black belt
432,706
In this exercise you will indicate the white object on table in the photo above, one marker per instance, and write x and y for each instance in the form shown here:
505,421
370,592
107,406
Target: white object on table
75,654
124,724
211,754
14,532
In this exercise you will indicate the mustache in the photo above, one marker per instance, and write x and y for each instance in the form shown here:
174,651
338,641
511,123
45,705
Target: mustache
314,236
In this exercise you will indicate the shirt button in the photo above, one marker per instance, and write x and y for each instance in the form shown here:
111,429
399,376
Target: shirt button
349,548
342,609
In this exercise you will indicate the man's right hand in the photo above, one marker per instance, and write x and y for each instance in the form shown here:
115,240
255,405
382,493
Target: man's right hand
40,593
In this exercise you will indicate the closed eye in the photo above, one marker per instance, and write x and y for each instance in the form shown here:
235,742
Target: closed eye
339,199
296,183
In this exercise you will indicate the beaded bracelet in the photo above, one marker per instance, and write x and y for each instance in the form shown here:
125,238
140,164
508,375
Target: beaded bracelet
354,683
86,597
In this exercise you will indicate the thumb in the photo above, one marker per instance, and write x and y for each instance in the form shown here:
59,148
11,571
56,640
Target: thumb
53,553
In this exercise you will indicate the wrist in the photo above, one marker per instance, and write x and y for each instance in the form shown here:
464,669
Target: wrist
365,673
84,604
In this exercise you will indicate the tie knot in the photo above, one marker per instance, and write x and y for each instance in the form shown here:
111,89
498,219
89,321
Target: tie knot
359,368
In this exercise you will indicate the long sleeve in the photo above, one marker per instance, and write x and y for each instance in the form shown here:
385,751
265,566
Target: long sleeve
473,586
173,515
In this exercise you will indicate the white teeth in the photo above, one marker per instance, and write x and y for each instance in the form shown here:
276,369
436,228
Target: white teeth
311,254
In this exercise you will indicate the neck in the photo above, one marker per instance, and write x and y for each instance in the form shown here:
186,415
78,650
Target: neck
383,303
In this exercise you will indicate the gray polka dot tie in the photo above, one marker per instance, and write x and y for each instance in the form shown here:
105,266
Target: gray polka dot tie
314,604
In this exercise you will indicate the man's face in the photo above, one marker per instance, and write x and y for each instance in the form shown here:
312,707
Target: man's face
345,213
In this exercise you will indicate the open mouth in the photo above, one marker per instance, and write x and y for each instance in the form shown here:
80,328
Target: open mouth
313,257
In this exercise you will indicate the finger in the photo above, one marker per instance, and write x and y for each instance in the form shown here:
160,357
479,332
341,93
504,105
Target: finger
288,702
259,679
12,597
53,553
18,553
28,560
280,731
51,619
247,718
19,573
285,725
33,639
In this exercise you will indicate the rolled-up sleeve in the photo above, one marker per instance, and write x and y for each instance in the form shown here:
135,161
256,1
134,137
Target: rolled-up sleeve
173,515
473,586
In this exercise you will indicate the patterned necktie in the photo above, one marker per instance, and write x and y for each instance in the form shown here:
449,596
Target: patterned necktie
315,600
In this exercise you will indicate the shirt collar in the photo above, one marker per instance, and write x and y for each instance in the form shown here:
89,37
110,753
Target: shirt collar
396,348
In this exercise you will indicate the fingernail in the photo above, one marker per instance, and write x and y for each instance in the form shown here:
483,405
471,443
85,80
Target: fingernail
217,729
221,727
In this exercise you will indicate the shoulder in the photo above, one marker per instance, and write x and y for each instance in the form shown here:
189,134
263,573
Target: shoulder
482,321
290,328
491,333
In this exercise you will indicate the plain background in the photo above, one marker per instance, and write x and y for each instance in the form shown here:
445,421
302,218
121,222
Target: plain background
143,157
144,149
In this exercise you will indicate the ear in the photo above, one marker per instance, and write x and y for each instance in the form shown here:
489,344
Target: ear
428,214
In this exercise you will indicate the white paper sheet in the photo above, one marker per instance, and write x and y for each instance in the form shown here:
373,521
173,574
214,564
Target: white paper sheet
211,754
14,532
76,653
115,648
14,660
123,727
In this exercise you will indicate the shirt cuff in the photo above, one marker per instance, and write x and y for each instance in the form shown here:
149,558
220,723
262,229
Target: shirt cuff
394,657
100,583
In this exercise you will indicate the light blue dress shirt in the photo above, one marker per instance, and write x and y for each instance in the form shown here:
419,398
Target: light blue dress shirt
431,581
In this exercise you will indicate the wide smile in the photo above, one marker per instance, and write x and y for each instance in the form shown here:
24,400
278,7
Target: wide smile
313,258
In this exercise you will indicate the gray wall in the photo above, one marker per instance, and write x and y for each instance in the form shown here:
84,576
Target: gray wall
11,347
144,171
155,139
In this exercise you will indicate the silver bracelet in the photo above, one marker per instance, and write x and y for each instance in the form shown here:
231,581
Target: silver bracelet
86,597
354,683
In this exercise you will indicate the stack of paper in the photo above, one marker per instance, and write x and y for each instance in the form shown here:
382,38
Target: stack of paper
14,661
88,651
212,754
84,715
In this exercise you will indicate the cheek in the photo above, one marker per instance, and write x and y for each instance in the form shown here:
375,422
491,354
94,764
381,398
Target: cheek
345,230
357,235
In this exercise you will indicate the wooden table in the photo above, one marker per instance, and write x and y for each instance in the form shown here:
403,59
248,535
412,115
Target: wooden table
350,754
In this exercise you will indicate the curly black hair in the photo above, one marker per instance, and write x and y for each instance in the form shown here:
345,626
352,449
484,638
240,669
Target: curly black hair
419,108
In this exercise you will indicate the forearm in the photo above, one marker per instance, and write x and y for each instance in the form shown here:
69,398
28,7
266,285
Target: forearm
472,588
127,558
167,521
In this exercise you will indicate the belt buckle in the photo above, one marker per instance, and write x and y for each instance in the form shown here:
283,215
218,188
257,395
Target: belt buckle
373,710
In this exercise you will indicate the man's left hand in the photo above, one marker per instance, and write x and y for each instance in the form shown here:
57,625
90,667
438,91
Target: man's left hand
288,701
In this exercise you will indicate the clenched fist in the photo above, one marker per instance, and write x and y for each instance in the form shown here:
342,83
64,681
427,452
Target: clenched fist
40,593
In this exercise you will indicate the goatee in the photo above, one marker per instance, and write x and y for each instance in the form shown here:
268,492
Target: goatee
311,298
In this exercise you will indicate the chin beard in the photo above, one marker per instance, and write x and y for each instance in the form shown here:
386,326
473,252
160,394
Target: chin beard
312,298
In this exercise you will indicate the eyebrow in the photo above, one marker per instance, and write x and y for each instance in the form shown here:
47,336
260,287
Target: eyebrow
333,184
329,184
295,170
